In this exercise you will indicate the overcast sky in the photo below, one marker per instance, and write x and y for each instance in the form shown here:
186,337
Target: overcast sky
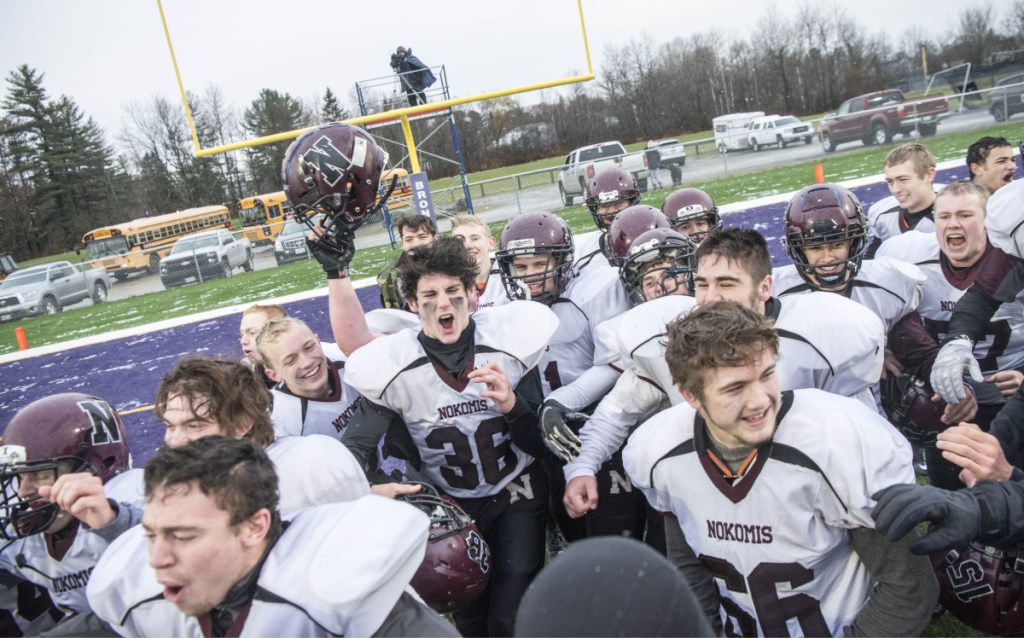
107,54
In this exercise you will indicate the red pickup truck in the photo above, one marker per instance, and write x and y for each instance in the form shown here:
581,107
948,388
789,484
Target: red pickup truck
875,117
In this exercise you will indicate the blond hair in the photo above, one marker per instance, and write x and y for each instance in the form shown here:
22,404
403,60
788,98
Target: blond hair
914,152
465,219
272,331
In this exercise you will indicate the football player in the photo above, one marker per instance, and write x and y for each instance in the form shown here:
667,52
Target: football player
909,174
770,513
464,391
610,192
952,258
692,212
253,319
732,264
991,163
475,235
212,556
67,490
414,230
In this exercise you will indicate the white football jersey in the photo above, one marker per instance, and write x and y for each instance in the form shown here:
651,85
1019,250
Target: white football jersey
884,219
315,470
493,293
776,539
891,289
1003,217
592,297
587,250
1003,345
462,437
309,585
298,416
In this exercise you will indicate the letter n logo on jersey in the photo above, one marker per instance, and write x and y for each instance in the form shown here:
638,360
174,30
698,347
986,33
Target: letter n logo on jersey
326,157
104,423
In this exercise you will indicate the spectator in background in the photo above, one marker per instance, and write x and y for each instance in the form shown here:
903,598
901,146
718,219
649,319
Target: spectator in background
415,75
653,166
990,161
413,230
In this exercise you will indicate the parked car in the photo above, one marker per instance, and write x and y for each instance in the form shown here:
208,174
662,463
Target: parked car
874,118
583,163
672,151
47,289
291,243
203,256
779,129
732,130
1006,99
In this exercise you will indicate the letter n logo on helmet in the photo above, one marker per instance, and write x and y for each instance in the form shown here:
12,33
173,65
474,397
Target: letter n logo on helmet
104,423
328,160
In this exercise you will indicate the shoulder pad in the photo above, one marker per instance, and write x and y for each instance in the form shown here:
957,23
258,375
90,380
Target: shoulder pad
1005,219
914,248
372,366
521,328
122,577
388,321
650,320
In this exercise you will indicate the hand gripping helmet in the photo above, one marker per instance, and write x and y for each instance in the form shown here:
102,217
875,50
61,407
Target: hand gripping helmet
983,587
334,169
689,204
457,565
824,214
81,432
611,186
908,404
627,226
529,235
662,251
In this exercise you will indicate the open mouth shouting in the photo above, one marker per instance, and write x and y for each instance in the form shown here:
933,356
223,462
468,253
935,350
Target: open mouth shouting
956,241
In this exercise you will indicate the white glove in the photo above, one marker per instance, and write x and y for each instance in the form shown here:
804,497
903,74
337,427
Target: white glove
955,358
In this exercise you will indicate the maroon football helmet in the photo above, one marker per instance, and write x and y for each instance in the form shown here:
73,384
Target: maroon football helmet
334,169
83,432
611,186
824,214
689,204
529,235
661,250
627,226
457,565
983,587
908,404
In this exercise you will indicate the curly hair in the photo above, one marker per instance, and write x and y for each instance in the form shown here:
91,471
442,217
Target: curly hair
977,153
233,394
446,256
717,335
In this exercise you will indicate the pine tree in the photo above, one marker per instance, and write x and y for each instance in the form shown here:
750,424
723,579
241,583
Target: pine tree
330,110
270,113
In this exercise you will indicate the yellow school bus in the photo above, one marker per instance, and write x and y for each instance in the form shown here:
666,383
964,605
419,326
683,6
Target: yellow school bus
263,216
402,195
138,245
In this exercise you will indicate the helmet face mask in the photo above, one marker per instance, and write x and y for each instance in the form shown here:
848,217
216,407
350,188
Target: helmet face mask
457,564
908,406
56,435
661,258
824,214
525,241
610,192
335,170
689,205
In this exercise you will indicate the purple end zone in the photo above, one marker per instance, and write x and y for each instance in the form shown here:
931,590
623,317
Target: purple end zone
126,372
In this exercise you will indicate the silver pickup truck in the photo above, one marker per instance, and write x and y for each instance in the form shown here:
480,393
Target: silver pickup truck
584,163
203,256
44,290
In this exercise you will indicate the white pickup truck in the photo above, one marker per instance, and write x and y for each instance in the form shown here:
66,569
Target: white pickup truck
44,290
582,164
203,256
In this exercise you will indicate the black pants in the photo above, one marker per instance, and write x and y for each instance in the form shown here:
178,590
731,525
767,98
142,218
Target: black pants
512,522
415,97
946,475
621,507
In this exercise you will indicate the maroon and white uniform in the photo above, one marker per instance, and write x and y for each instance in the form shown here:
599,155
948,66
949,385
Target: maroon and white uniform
885,219
299,416
776,540
493,293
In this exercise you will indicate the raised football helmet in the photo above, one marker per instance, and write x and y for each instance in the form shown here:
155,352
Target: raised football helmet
660,251
457,565
611,186
690,204
334,169
627,226
825,214
983,587
908,404
530,235
59,434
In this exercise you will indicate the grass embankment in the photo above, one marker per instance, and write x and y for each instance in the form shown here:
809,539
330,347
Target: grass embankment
284,280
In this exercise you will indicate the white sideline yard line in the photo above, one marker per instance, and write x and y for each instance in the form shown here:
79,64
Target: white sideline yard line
169,323
362,283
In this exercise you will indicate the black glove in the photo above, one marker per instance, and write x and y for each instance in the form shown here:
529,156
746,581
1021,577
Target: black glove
556,422
956,516
334,252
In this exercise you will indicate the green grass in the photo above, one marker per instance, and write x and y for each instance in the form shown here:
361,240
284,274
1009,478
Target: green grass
275,282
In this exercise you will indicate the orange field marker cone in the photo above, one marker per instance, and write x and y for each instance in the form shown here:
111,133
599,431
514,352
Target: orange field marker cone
22,339
819,173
